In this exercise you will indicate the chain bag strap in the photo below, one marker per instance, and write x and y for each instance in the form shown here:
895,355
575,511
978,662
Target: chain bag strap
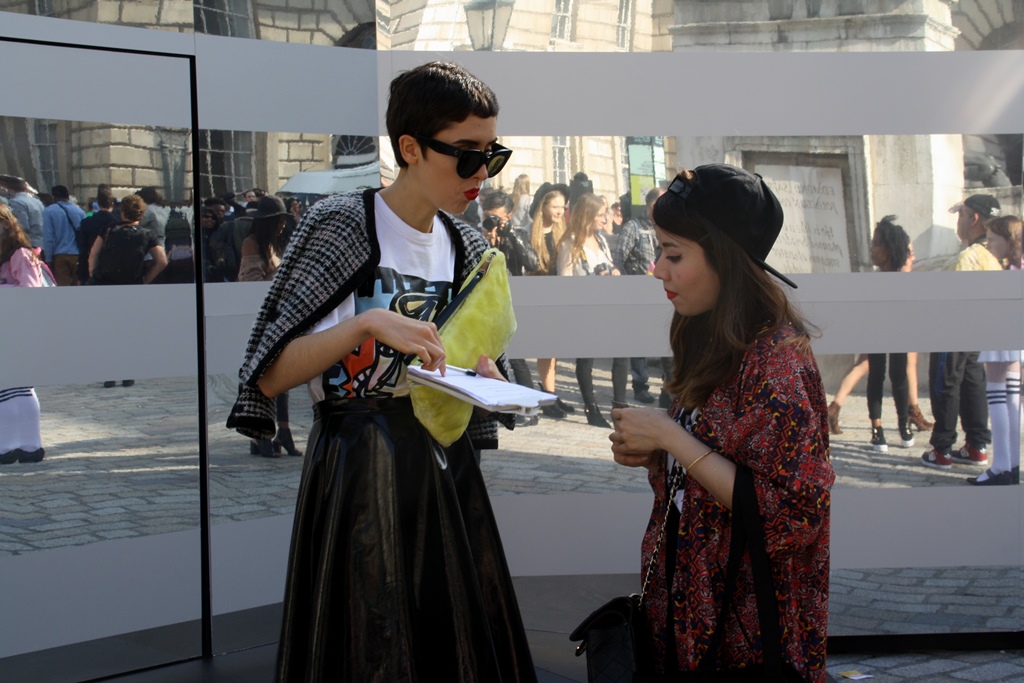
615,637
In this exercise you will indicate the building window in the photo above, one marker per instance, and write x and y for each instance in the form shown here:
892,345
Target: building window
227,161
44,8
44,153
354,150
620,144
232,18
560,158
624,23
561,20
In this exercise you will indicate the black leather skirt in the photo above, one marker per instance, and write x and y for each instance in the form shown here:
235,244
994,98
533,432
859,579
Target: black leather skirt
396,570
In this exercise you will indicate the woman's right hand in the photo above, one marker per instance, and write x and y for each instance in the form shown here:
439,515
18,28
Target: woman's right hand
640,436
407,335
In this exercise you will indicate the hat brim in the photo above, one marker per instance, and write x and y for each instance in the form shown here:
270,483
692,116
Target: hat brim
956,207
270,215
768,269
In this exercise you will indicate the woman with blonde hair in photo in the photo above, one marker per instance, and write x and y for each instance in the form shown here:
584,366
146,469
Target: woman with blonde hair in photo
521,200
584,250
20,435
545,234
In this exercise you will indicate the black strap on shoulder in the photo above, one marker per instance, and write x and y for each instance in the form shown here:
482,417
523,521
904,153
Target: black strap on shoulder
70,219
748,531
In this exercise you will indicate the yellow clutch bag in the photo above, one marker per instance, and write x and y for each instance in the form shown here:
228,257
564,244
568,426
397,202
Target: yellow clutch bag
479,320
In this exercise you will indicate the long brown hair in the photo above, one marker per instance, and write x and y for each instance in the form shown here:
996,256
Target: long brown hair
544,257
707,349
584,211
520,187
13,237
1009,228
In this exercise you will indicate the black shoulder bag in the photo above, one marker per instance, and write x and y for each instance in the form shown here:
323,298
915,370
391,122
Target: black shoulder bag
615,636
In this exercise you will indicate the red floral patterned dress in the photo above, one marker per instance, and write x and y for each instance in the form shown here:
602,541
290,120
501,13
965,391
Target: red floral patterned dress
771,417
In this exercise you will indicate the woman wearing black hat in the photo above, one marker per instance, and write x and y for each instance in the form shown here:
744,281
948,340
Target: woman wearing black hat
745,444
261,256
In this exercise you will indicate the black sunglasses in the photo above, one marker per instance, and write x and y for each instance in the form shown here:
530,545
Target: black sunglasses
470,160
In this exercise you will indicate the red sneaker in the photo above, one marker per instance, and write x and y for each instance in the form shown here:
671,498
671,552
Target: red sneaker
937,460
969,455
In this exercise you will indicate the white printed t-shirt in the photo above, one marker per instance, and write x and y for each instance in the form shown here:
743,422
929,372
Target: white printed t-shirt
413,278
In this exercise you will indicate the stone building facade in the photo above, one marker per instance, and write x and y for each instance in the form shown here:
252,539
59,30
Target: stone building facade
542,26
169,15
917,177
83,155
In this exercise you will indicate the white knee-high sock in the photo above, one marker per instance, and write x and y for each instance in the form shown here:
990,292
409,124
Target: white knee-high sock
996,393
1013,408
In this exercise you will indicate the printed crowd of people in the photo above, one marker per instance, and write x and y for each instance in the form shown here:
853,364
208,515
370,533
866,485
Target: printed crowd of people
49,239
559,229
568,230
980,389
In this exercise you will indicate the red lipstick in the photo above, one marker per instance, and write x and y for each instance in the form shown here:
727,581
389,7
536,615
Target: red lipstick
472,193
670,295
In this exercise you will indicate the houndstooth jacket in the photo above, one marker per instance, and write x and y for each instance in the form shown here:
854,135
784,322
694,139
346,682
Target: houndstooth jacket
333,250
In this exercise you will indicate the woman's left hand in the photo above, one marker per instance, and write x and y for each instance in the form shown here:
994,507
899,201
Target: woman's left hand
485,367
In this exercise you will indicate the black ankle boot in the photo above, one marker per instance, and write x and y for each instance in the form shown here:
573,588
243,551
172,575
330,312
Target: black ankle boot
262,447
553,411
284,440
594,418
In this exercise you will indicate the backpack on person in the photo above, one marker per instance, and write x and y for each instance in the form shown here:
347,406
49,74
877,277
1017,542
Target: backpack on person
122,256
178,236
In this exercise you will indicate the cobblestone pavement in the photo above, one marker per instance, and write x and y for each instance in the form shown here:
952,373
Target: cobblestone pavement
990,666
122,462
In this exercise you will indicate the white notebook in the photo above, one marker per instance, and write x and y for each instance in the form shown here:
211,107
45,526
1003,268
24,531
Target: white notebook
492,394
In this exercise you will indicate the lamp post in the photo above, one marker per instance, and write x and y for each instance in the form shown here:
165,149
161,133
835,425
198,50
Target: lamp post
488,22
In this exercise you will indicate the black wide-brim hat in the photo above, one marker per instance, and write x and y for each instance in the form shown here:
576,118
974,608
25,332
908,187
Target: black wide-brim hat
737,203
269,206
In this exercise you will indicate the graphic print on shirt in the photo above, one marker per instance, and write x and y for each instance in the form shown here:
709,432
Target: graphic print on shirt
373,370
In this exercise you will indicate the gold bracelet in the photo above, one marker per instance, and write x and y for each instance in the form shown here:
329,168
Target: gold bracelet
698,459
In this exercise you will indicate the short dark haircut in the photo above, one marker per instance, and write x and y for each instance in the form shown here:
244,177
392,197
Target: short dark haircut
60,192
894,240
432,97
496,200
215,201
151,195
105,198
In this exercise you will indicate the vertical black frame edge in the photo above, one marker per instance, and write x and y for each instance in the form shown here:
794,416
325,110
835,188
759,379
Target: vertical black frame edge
205,549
